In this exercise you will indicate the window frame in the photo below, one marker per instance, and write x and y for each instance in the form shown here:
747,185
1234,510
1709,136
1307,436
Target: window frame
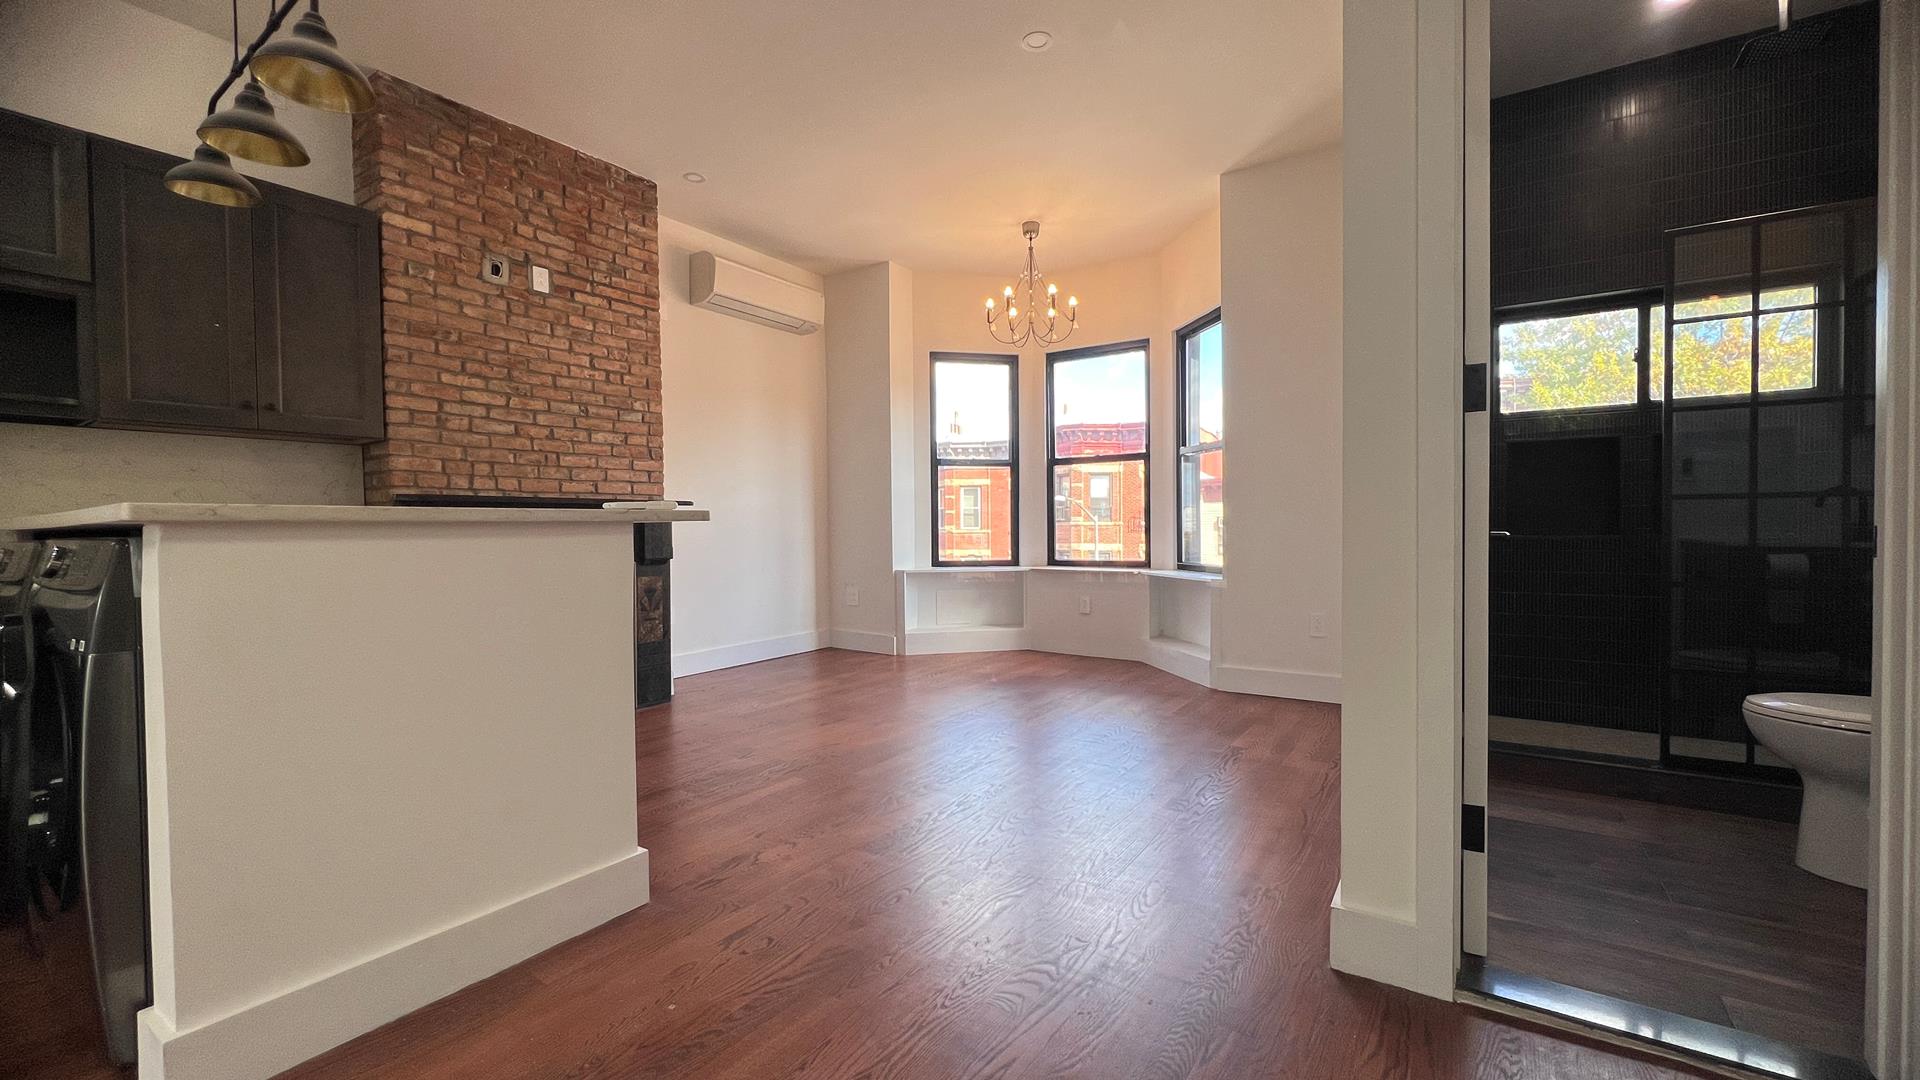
1825,367
1651,304
1184,448
1010,361
1144,346
1655,317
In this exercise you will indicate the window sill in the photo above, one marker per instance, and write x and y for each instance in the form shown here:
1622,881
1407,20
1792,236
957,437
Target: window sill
1200,576
1188,575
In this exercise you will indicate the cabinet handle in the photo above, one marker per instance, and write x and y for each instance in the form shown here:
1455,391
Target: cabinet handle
271,407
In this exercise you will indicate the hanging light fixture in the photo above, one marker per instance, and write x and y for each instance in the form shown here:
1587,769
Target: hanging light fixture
249,129
211,177
1014,327
307,67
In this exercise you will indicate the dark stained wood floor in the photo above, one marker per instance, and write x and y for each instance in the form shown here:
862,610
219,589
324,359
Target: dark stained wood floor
1690,911
49,1023
1003,865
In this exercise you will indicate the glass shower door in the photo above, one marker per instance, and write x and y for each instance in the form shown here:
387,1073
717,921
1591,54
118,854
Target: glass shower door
1767,384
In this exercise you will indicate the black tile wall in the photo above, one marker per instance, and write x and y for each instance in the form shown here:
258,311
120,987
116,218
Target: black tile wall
1588,174
1587,177
1574,622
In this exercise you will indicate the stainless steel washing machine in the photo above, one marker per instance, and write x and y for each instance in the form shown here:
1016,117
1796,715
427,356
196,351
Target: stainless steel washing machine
84,619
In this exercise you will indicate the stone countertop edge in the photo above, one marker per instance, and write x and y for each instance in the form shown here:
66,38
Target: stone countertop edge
157,513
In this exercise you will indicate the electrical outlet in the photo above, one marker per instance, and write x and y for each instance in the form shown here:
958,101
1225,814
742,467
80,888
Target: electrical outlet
542,279
853,596
494,268
1086,605
1317,624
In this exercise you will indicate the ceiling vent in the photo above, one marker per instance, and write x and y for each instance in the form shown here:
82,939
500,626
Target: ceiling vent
745,293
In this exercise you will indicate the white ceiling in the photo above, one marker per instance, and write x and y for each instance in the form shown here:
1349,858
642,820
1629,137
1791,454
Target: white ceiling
840,132
1538,42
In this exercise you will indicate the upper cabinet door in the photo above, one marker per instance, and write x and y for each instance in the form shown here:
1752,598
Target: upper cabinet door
43,199
317,287
173,288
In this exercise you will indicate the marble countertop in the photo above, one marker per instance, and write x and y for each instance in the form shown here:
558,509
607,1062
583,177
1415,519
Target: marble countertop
152,513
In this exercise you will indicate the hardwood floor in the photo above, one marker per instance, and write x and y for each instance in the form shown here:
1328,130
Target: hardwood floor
1006,865
49,1022
1690,911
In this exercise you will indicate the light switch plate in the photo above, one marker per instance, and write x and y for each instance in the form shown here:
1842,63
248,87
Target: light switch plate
542,279
853,596
1317,624
1086,605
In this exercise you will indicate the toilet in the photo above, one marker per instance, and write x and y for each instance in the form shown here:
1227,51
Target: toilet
1825,737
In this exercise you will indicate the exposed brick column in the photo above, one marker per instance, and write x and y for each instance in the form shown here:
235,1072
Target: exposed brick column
496,389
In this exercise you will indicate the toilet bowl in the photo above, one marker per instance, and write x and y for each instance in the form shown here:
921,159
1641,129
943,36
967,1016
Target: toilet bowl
1825,737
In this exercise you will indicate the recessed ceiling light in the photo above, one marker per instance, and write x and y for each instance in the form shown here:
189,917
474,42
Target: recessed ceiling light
1036,41
694,177
1669,4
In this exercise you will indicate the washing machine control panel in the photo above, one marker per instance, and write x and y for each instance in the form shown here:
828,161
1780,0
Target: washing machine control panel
75,565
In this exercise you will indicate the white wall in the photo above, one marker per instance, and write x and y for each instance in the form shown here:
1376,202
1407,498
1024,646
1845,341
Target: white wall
866,508
1280,271
746,437
117,70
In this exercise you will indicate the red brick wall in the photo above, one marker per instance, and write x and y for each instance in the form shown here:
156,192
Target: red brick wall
496,389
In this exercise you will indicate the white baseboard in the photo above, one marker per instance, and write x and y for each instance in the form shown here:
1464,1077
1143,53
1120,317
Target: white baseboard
274,1035
1188,661
1274,682
862,641
1385,949
746,652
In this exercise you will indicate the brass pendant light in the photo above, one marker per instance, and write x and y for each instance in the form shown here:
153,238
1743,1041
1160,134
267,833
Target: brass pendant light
307,67
210,177
249,129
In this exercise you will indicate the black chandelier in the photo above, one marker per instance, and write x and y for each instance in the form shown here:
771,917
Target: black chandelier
306,67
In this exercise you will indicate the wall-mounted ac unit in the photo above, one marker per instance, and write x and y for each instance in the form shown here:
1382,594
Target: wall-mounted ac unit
745,293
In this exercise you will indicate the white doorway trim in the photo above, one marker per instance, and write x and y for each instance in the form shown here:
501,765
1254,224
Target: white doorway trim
1893,915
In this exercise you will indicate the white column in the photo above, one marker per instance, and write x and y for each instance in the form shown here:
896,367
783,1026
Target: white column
1893,956
1396,916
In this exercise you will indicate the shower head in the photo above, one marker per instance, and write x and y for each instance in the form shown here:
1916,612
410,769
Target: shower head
1790,39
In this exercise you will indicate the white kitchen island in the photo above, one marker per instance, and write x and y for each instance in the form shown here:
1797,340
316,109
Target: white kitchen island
389,751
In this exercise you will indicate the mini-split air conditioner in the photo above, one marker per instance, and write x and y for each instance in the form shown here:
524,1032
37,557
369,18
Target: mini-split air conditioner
745,293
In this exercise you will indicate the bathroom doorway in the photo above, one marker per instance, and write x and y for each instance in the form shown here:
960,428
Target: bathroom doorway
1670,615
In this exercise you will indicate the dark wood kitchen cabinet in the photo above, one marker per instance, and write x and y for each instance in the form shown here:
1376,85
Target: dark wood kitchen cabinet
173,294
317,365
262,322
43,216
